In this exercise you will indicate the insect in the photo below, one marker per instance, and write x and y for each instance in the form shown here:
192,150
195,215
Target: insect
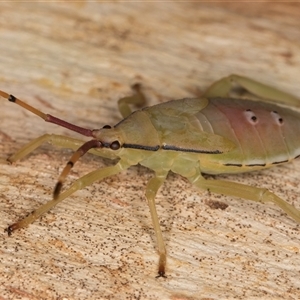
214,134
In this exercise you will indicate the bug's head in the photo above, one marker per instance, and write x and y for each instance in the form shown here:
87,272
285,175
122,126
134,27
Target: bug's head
134,132
109,137
106,138
125,140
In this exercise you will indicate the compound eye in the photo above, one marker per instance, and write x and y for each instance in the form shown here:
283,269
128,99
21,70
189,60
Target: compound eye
115,145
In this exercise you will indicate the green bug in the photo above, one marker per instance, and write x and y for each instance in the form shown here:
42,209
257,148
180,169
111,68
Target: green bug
214,134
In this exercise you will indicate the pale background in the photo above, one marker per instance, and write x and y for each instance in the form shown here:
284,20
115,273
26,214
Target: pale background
75,60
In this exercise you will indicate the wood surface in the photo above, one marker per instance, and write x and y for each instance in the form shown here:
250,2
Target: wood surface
75,60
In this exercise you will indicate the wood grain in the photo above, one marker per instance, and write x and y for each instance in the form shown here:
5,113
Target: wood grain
75,60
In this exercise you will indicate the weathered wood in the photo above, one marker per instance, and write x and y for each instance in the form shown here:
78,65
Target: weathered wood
75,61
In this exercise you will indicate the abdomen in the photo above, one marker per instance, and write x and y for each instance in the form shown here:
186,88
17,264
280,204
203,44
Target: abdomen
265,134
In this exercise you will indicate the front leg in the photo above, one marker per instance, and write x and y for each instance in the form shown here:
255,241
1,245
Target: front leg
79,184
53,139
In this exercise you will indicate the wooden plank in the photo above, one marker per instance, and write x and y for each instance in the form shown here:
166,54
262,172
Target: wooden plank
75,60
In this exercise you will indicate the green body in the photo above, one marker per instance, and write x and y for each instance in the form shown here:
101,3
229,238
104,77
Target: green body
214,134
220,135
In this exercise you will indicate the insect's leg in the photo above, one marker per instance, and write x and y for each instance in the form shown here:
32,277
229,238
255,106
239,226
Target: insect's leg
80,183
222,88
57,140
138,99
152,187
151,190
246,192
54,139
